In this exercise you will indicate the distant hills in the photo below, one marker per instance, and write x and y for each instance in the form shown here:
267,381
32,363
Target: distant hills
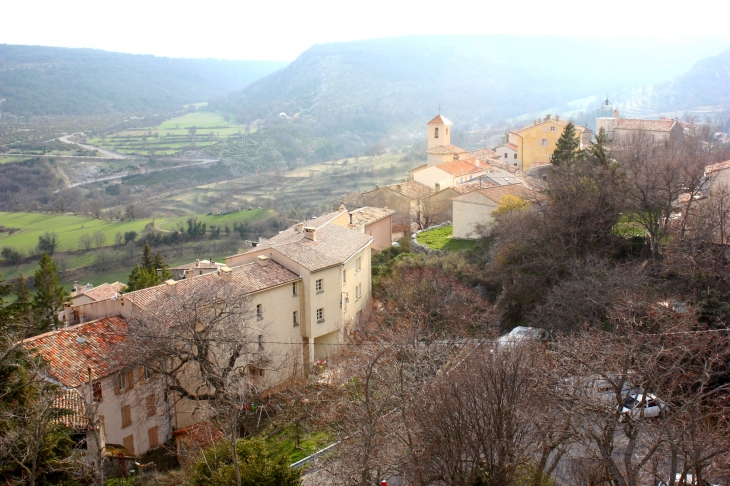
37,80
706,83
358,93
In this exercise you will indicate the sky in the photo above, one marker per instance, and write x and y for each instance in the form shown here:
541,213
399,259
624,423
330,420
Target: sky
280,30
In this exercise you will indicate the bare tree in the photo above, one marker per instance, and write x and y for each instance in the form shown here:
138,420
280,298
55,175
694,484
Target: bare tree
211,350
99,238
85,242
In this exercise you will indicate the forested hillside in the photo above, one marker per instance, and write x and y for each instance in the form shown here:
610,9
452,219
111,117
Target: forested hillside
706,83
356,94
38,80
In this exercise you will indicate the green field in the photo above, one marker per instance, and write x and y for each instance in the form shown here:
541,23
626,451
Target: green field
68,228
440,239
249,216
172,136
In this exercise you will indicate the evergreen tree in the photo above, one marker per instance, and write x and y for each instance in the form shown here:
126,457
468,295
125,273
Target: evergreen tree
567,149
147,261
49,295
599,150
160,265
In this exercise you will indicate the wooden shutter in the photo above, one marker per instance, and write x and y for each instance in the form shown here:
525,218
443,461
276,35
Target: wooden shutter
154,439
128,443
151,406
130,378
97,391
126,416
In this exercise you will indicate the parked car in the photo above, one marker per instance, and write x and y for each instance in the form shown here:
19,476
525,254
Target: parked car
652,406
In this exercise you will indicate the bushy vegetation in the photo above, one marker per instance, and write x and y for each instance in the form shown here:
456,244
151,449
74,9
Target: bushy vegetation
441,239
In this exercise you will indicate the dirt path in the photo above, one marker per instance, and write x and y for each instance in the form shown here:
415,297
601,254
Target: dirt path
108,153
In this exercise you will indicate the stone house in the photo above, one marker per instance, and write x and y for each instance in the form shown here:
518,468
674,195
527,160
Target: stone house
123,401
402,197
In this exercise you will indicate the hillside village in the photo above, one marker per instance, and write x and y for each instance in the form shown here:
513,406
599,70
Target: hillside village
152,374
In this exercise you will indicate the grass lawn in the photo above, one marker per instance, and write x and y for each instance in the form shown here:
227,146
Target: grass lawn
68,228
440,239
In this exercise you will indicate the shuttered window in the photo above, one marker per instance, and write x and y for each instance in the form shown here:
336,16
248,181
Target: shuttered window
128,443
126,416
154,439
151,406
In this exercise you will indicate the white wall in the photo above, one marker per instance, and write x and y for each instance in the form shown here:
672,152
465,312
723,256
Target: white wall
470,210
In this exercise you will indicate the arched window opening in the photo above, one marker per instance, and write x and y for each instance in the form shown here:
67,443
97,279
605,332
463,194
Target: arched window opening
436,132
447,130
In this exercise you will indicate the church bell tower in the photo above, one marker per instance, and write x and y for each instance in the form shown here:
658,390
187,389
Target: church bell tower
439,132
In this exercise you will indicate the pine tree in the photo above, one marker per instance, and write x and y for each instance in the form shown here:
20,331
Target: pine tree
147,261
567,149
163,267
599,149
49,295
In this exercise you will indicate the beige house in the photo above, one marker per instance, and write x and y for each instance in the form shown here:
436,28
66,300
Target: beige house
475,208
197,268
376,222
88,293
662,129
536,143
333,263
122,401
449,174
717,176
402,197
438,207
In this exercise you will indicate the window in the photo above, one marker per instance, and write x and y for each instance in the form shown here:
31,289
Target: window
295,318
552,129
543,142
154,439
126,416
358,291
447,130
97,392
319,285
505,155
358,264
515,155
151,406
294,289
124,381
344,277
128,443
147,373
255,372
261,342
436,132
320,315
259,311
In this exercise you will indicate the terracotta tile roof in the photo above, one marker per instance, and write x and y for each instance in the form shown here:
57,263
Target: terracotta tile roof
460,167
445,150
648,125
70,352
416,169
104,291
73,403
485,154
352,199
717,167
333,246
246,279
562,123
468,187
368,215
203,264
439,120
410,189
497,193
512,146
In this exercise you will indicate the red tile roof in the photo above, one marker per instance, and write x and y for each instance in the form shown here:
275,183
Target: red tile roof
70,352
648,125
468,187
368,215
439,120
460,167
104,291
410,189
246,279
485,154
497,193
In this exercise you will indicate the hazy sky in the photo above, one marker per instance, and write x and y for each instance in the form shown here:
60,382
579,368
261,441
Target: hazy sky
281,30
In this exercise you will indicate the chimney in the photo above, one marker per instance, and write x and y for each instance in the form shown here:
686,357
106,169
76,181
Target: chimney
263,261
547,117
343,207
197,262
437,186
171,287
225,274
477,162
398,187
557,118
189,272
615,114
310,233
298,227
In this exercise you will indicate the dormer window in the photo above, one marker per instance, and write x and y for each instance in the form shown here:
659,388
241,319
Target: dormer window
436,132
